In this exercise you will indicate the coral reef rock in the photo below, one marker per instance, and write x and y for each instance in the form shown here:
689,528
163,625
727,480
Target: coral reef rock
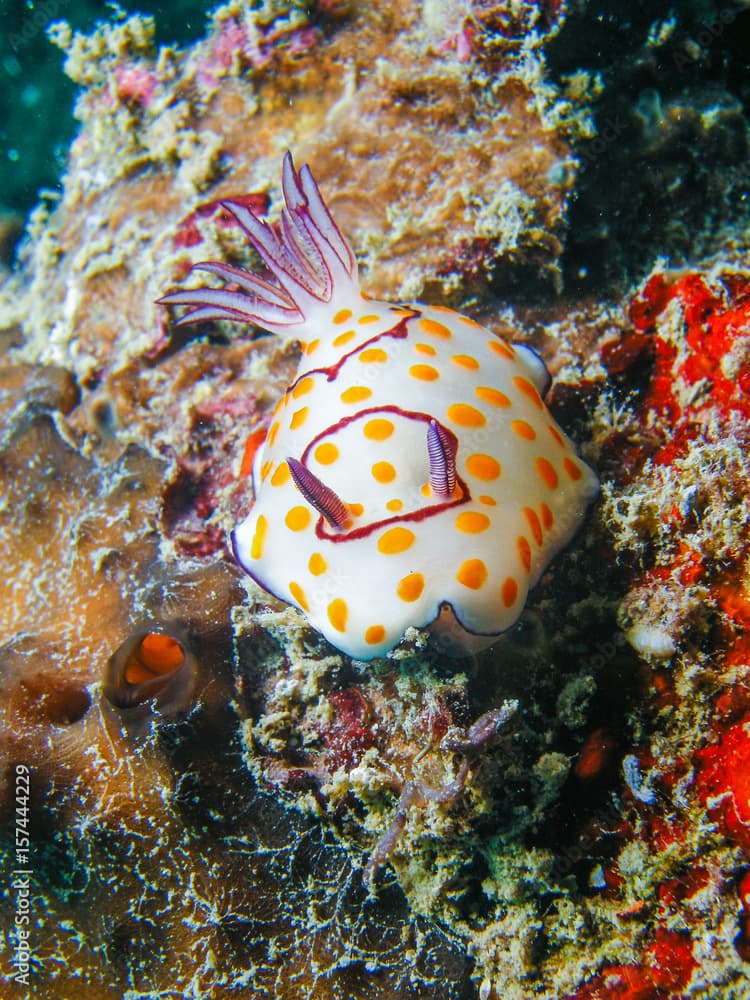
220,804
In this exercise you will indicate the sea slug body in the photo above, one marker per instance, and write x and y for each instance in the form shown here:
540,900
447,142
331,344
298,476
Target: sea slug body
412,474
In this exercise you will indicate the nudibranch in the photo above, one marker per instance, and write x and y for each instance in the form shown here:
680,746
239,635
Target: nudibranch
411,474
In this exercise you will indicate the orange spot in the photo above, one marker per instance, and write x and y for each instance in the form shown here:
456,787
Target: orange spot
464,319
253,443
160,653
594,755
472,522
556,435
312,347
281,475
547,473
259,537
572,469
411,587
317,564
528,389
434,328
273,433
489,501
326,453
395,505
299,595
472,574
547,518
265,469
378,429
383,472
509,592
356,394
298,518
524,552
501,348
465,361
344,338
374,635
534,525
425,349
465,416
304,385
372,354
369,318
425,490
298,418
424,372
342,316
395,540
483,467
492,396
356,509
523,430
338,614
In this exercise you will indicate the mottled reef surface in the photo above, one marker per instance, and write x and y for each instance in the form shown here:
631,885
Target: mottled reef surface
221,804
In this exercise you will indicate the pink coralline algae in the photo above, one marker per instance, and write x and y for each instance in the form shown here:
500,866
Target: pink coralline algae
135,84
213,212
349,735
255,44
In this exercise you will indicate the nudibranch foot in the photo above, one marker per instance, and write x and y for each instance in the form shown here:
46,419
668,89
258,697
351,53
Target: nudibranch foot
452,535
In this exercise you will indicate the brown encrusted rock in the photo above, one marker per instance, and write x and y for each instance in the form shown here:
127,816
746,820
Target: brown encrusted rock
444,166
157,862
82,537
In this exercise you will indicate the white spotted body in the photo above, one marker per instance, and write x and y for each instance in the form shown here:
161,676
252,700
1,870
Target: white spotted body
372,379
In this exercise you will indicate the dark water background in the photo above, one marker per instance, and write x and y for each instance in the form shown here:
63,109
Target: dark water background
36,98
